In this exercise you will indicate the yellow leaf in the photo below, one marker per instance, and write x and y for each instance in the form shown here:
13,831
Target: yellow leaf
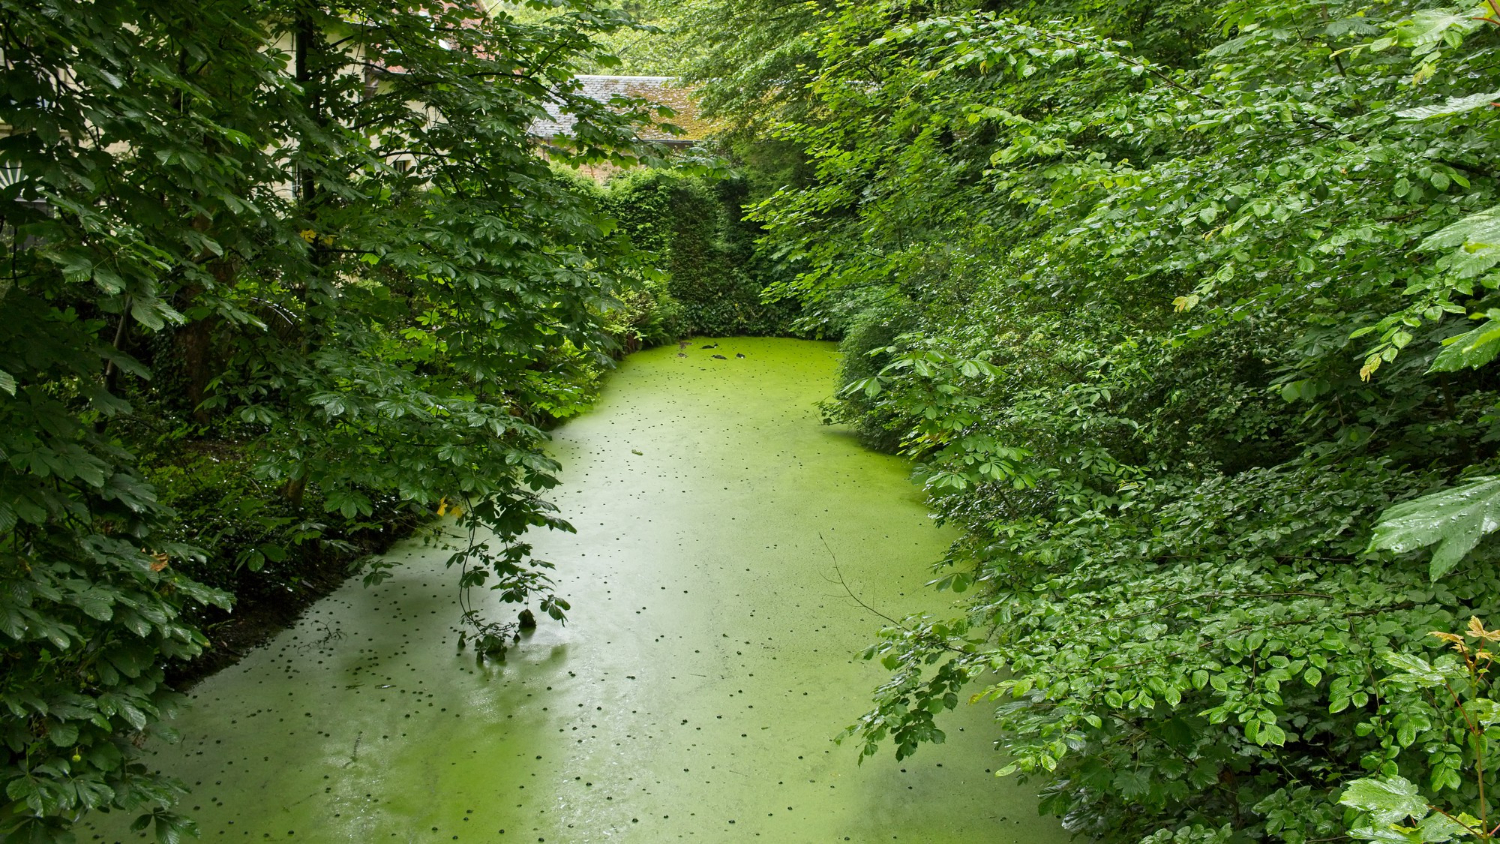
309,235
1477,631
1453,639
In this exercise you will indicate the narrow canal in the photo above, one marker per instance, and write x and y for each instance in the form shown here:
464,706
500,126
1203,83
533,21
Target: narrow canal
710,657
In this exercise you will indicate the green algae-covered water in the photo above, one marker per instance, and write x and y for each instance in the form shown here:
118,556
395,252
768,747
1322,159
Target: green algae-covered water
710,657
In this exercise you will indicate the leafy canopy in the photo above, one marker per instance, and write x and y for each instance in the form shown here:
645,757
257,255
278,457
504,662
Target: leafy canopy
316,235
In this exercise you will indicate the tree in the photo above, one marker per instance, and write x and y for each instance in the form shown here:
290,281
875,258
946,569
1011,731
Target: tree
1173,294
332,220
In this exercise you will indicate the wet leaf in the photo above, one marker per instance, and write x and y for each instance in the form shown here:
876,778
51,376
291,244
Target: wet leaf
1454,520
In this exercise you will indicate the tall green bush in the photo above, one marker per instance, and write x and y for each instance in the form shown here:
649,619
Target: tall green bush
863,355
696,229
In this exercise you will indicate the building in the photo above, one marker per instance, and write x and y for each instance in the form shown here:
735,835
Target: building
660,90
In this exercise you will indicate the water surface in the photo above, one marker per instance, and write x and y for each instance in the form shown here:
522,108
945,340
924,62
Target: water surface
710,657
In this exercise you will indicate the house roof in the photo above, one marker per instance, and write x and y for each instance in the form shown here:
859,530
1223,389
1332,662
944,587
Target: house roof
661,90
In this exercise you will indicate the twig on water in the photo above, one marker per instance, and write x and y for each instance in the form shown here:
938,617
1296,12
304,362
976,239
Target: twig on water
845,584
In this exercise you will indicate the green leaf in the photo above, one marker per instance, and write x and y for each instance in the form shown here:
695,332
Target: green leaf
1429,29
1485,711
1481,227
1454,520
97,603
63,735
1469,350
1416,668
173,828
1437,828
1388,800
25,789
1454,105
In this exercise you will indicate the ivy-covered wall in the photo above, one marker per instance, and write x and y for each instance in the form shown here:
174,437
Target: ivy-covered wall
706,248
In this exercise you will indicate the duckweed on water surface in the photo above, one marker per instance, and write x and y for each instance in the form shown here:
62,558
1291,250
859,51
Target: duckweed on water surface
708,660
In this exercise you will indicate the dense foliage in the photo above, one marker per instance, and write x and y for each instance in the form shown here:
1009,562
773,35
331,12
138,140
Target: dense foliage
656,43
713,275
1171,304
274,272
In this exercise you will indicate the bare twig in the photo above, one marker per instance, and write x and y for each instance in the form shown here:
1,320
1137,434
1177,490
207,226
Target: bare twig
849,591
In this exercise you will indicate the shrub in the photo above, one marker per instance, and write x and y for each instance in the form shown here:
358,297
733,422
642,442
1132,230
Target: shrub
713,273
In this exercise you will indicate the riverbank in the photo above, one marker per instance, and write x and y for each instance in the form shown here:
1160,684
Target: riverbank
261,617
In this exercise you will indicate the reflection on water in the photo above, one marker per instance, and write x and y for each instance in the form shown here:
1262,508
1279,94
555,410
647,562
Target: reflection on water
710,656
